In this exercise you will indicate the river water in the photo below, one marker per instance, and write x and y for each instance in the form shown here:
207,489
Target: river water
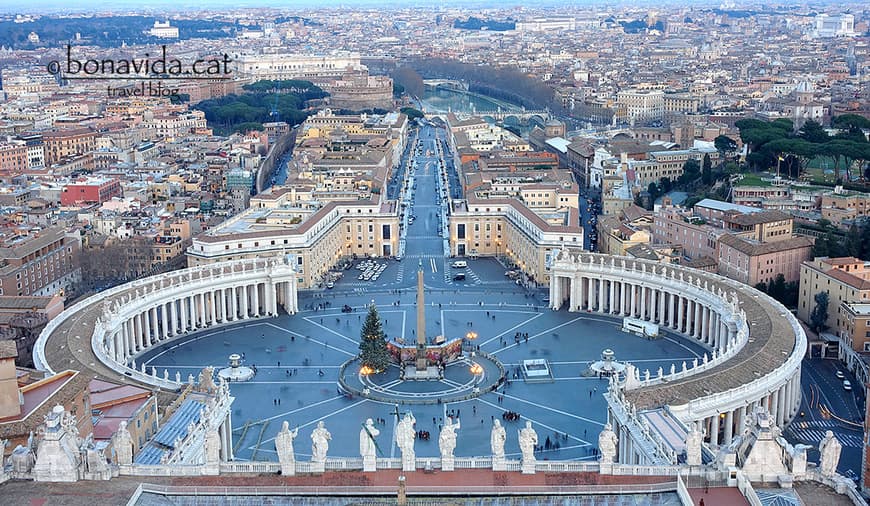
442,100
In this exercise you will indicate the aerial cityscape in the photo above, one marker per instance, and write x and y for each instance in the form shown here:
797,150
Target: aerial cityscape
434,253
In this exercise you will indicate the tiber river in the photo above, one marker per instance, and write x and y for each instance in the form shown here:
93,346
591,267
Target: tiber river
442,100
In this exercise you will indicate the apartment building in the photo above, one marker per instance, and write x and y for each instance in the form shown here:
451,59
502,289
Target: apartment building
69,142
13,158
696,238
841,207
642,105
751,261
42,262
667,164
616,237
93,190
846,279
855,333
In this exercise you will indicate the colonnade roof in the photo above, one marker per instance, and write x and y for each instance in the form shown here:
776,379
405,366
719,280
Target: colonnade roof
771,341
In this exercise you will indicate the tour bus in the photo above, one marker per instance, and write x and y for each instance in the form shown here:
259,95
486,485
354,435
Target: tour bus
459,264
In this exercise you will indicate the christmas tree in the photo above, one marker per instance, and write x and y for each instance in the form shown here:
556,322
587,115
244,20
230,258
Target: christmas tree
373,343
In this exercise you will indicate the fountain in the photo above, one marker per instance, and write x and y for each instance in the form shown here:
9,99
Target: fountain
607,366
236,371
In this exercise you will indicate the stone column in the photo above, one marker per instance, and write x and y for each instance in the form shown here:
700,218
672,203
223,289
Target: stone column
244,300
256,289
643,302
741,419
633,289
661,299
600,295
774,405
155,325
729,427
714,429
212,307
590,296
611,295
671,314
680,314
173,318
622,304
233,304
223,304
137,331
784,408
192,303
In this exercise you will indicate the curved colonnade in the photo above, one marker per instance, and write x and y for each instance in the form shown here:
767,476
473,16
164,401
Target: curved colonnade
129,319
755,343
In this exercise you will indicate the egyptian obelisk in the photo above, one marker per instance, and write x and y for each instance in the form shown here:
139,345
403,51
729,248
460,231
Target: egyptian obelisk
422,362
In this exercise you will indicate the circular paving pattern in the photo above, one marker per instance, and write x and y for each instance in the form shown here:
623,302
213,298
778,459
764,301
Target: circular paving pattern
457,383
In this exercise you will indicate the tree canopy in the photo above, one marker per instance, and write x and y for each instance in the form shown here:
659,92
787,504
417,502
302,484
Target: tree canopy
776,144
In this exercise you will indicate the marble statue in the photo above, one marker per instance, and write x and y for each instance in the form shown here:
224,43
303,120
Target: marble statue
367,435
58,456
829,448
405,435
368,446
122,442
694,440
798,455
528,438
447,443
320,438
497,438
206,380
447,437
22,460
284,447
212,447
607,442
94,461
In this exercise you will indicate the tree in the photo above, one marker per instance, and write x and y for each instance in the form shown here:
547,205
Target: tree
707,170
411,113
819,315
777,287
812,131
373,342
853,241
725,146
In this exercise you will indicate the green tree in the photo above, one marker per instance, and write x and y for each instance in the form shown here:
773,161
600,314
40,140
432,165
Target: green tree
819,315
812,131
411,113
820,247
725,145
373,342
777,287
691,171
853,241
707,170
761,287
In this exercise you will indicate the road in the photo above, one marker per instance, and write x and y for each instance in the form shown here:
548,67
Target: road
827,406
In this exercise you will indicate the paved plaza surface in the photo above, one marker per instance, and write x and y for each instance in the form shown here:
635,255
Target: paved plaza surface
298,357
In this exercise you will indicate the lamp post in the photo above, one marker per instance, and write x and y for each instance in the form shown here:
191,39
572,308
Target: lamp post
470,337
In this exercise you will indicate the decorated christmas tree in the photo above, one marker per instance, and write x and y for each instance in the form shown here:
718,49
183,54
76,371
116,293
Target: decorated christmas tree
373,343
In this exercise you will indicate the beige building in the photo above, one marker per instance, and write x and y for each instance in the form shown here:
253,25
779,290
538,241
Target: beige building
314,239
616,237
642,105
840,205
856,326
496,227
846,279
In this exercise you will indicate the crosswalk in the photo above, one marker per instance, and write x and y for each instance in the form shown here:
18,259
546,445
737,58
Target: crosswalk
812,432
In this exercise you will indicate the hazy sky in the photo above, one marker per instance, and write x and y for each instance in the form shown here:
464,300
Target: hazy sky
44,6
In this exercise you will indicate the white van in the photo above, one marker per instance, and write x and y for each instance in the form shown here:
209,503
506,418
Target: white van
459,264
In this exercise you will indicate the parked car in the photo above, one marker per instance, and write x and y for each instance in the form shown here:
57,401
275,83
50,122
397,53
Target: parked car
847,385
840,375
459,277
